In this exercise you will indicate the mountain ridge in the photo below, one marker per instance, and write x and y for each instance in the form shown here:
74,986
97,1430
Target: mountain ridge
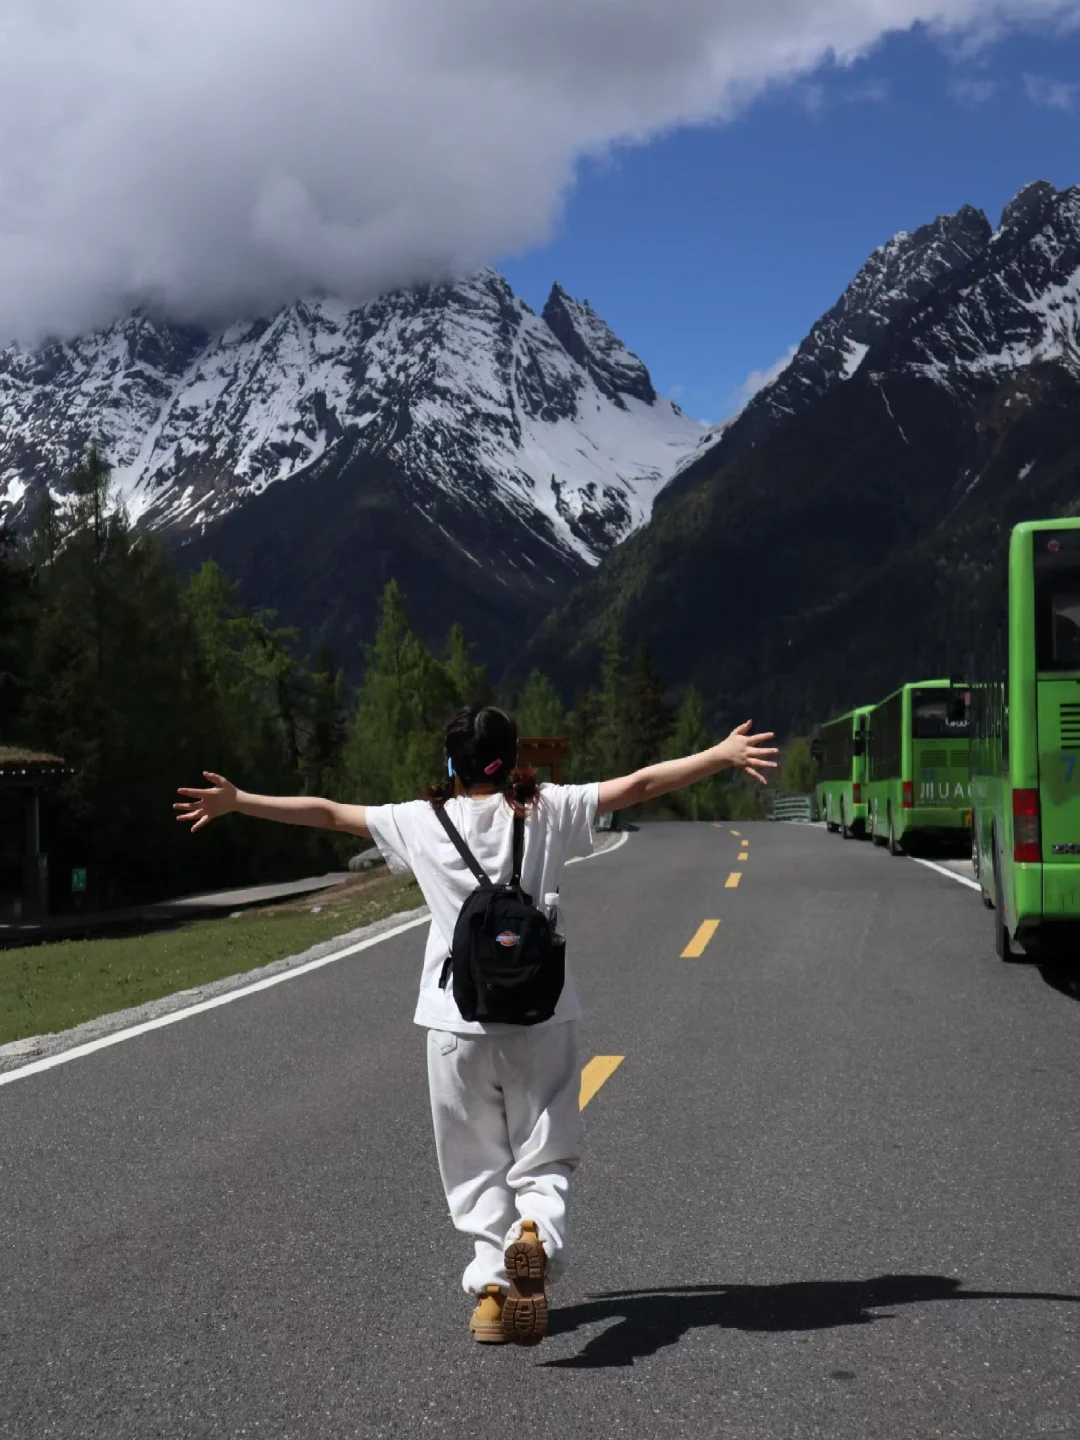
842,544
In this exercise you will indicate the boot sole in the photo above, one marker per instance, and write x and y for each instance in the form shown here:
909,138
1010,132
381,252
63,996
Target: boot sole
489,1334
525,1310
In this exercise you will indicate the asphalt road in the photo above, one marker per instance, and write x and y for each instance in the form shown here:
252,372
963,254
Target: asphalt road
832,1190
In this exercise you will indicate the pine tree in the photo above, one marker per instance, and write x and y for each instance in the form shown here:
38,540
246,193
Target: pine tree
45,536
798,769
395,745
539,711
613,731
94,523
584,758
90,483
703,800
649,719
16,630
254,674
329,727
469,680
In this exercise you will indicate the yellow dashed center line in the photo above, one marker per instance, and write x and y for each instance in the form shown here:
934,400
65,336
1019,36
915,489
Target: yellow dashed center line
746,844
732,880
705,931
736,834
599,1069
744,857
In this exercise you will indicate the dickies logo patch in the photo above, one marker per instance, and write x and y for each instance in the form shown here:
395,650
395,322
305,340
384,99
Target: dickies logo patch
508,939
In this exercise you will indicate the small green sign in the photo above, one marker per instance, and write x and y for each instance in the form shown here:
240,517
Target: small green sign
78,881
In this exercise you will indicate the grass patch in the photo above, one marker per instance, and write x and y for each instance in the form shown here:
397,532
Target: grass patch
53,986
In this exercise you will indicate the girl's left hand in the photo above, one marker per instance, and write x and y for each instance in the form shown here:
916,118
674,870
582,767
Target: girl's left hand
747,752
206,805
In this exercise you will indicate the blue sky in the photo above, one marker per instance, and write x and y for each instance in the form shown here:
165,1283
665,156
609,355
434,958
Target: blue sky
712,251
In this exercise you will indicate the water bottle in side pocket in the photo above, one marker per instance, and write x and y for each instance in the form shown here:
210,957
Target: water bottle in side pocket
554,914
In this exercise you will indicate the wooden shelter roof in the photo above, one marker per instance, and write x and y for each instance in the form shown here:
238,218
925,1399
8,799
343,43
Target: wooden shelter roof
22,767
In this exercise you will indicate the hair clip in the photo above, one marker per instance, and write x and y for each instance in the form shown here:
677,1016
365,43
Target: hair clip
449,766
490,769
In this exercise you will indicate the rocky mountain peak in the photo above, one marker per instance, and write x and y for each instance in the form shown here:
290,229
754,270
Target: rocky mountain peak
1028,209
586,338
894,282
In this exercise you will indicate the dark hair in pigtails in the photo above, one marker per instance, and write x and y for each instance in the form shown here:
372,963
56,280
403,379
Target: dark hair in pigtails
482,746
440,792
522,789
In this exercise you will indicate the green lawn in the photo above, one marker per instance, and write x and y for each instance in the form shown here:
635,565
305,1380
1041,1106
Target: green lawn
50,987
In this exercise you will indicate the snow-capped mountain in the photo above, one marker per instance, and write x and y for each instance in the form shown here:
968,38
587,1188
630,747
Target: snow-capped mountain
548,419
849,525
446,437
892,284
1017,304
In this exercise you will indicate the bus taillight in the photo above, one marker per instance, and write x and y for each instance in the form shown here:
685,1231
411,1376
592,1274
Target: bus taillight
909,795
1027,849
856,793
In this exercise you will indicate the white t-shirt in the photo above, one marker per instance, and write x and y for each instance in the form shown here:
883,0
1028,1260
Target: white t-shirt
411,837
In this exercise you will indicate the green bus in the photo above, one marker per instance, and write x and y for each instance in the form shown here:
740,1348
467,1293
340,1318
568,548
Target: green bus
840,751
918,782
1026,743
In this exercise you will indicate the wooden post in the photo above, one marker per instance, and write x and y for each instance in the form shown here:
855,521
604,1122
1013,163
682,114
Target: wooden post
544,753
33,823
35,865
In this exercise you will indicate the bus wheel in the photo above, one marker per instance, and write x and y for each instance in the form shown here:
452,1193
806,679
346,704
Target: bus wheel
1002,938
845,829
895,848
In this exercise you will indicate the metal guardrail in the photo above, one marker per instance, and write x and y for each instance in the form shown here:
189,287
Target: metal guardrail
794,807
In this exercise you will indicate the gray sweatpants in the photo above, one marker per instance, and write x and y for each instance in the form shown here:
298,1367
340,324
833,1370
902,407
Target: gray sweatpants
508,1137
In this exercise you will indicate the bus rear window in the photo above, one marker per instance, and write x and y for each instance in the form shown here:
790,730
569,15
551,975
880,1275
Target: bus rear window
1056,554
940,714
1064,606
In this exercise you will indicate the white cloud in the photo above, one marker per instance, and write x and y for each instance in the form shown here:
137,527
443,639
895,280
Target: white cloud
972,93
226,155
874,92
1051,94
758,379
814,99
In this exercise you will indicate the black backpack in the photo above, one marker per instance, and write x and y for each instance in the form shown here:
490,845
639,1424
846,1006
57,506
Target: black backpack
507,963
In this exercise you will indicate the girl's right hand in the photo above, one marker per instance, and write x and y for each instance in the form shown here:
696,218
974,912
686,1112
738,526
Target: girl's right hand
744,751
206,805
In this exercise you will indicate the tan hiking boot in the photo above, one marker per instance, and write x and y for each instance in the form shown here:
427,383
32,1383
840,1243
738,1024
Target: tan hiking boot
486,1323
525,1311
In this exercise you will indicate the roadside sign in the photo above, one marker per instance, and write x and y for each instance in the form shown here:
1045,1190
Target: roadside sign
78,881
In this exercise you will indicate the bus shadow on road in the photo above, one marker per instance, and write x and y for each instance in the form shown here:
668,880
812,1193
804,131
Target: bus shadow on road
1064,977
651,1320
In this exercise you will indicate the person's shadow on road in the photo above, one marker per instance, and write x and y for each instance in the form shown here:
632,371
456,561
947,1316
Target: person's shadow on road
649,1320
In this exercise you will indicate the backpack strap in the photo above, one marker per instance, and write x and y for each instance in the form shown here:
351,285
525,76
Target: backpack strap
462,849
519,848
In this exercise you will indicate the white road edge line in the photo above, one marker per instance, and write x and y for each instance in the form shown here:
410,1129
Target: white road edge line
952,875
608,850
35,1067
